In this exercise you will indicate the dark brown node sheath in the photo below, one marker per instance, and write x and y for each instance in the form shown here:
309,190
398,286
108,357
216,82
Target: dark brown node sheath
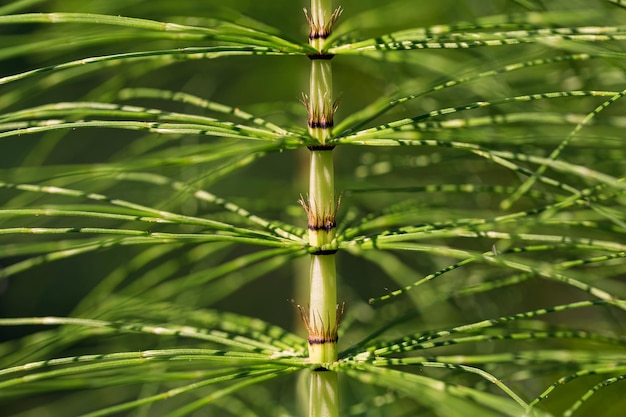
321,56
320,147
322,30
319,119
318,334
320,221
322,340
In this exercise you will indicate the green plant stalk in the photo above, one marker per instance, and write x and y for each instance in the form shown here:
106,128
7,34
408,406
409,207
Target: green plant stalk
320,106
320,207
322,320
324,401
320,21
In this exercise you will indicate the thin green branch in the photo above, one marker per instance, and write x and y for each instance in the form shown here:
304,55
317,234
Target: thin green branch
446,398
253,378
412,39
177,96
221,31
384,105
141,210
124,112
607,382
556,152
179,53
457,367
219,337
18,5
424,340
612,369
410,122
504,158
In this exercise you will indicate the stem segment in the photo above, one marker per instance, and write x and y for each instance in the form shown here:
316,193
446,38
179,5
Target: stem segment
321,207
324,401
323,320
321,21
321,107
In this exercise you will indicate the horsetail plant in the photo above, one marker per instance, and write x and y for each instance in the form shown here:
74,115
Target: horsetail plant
474,223
321,207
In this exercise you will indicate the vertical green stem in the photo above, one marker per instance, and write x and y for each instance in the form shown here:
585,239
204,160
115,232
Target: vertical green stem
323,316
322,319
320,21
320,206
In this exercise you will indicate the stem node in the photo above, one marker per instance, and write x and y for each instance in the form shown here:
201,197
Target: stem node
321,25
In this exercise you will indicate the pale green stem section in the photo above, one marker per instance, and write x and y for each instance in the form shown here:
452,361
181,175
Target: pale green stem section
324,401
323,310
321,202
321,106
321,12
